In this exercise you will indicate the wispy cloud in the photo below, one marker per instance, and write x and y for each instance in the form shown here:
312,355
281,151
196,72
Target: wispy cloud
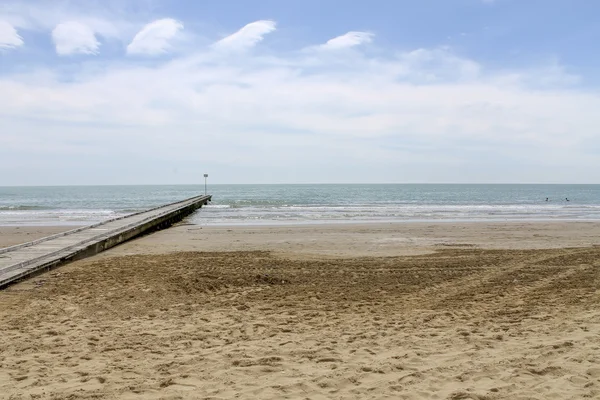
438,65
549,74
44,16
9,37
74,38
155,38
348,40
247,37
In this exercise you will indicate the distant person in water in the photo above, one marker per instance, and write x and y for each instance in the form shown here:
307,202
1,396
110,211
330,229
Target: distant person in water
567,199
546,199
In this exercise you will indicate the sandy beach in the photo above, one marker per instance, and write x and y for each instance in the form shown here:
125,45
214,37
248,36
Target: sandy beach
403,311
11,235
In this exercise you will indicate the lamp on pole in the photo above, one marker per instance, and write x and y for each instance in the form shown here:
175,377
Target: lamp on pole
205,176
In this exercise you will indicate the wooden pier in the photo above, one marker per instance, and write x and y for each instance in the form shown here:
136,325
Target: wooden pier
22,260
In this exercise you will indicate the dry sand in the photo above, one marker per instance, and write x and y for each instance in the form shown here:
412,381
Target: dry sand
419,311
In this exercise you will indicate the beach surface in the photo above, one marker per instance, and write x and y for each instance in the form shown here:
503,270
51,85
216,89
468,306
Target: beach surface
11,235
404,311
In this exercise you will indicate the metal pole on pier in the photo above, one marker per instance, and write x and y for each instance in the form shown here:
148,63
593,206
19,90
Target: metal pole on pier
205,176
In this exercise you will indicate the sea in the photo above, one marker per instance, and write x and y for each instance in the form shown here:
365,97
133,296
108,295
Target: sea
305,203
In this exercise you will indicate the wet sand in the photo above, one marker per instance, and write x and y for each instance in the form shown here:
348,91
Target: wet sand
426,311
352,240
11,235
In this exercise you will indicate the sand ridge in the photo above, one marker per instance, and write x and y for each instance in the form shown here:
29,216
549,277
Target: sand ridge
461,323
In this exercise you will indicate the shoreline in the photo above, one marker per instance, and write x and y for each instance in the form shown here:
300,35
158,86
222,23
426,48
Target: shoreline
286,223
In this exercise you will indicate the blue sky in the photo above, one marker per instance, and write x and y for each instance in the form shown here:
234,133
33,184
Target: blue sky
151,91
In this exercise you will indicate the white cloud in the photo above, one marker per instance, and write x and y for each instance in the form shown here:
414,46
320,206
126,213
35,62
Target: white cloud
73,37
548,74
9,37
350,39
247,37
155,38
439,64
44,16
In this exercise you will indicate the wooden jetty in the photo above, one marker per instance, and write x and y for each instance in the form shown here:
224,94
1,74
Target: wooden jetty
22,260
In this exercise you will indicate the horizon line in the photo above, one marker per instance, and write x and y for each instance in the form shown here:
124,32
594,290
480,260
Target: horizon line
298,184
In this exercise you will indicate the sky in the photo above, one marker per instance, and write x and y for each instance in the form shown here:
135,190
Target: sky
312,91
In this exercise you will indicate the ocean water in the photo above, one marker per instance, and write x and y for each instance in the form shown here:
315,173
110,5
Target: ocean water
301,204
